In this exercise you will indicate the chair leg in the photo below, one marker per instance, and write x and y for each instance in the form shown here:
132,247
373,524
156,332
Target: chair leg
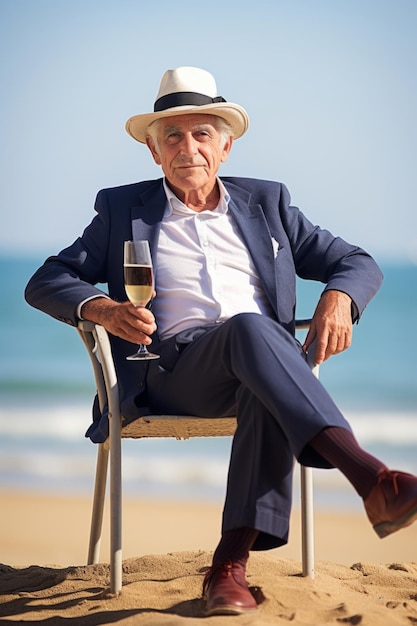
116,564
115,444
307,521
307,505
98,504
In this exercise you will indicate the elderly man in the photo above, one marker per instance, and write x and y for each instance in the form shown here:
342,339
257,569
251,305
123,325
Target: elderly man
226,253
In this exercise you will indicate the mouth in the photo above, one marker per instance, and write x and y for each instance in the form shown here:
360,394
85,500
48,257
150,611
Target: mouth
183,164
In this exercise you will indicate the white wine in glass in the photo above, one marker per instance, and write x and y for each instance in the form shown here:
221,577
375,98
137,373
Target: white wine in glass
139,284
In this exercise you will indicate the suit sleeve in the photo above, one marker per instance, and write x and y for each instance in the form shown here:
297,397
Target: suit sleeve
319,255
70,277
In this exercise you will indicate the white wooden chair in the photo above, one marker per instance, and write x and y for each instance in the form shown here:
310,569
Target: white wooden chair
97,343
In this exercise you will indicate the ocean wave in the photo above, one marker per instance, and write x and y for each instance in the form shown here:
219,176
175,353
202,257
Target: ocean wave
45,449
45,423
68,423
389,428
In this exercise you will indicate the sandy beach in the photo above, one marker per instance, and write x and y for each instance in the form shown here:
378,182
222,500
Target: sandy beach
167,549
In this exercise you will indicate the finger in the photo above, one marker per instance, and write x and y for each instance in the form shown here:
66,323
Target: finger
132,328
143,314
337,343
322,347
134,335
139,325
311,335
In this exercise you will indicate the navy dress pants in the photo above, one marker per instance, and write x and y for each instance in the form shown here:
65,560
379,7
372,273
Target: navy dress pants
249,366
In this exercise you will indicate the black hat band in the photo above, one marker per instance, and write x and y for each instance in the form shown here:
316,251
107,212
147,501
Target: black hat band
184,98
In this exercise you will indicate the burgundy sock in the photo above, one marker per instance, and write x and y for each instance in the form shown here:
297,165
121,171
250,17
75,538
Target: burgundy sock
340,448
235,545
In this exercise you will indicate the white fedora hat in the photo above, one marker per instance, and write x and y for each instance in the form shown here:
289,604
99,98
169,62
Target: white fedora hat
188,90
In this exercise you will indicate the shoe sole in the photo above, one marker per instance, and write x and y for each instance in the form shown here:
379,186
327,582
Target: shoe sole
387,528
228,610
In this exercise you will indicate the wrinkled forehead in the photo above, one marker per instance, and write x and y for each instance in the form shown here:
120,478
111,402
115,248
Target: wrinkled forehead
188,122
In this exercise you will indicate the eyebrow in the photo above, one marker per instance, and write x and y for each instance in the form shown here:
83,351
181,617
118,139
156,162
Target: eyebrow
171,129
175,129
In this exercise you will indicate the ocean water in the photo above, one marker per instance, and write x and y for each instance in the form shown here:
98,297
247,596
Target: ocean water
46,388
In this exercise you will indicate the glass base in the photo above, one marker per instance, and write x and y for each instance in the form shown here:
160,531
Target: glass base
142,356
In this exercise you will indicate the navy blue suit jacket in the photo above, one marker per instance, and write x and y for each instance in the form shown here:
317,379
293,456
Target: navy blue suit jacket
262,212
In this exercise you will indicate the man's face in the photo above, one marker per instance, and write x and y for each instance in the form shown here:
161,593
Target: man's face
190,150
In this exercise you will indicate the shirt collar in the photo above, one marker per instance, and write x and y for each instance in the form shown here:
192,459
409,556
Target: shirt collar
174,204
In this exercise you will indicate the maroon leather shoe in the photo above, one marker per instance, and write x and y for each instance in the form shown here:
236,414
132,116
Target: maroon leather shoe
392,503
226,591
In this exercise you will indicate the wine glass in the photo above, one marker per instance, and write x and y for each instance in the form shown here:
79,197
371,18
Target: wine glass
139,284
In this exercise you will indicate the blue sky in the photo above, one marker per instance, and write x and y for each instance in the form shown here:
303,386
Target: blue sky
329,85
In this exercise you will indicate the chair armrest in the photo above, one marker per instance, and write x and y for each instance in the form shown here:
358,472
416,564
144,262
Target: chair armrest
86,326
303,324
96,341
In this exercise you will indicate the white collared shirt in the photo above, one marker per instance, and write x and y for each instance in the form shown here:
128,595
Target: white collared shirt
204,273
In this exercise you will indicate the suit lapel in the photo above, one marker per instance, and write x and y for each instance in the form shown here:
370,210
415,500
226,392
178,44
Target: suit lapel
147,217
256,234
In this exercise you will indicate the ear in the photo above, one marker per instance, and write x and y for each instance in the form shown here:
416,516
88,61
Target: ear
226,150
153,150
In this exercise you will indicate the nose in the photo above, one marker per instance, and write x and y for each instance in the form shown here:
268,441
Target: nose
189,145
